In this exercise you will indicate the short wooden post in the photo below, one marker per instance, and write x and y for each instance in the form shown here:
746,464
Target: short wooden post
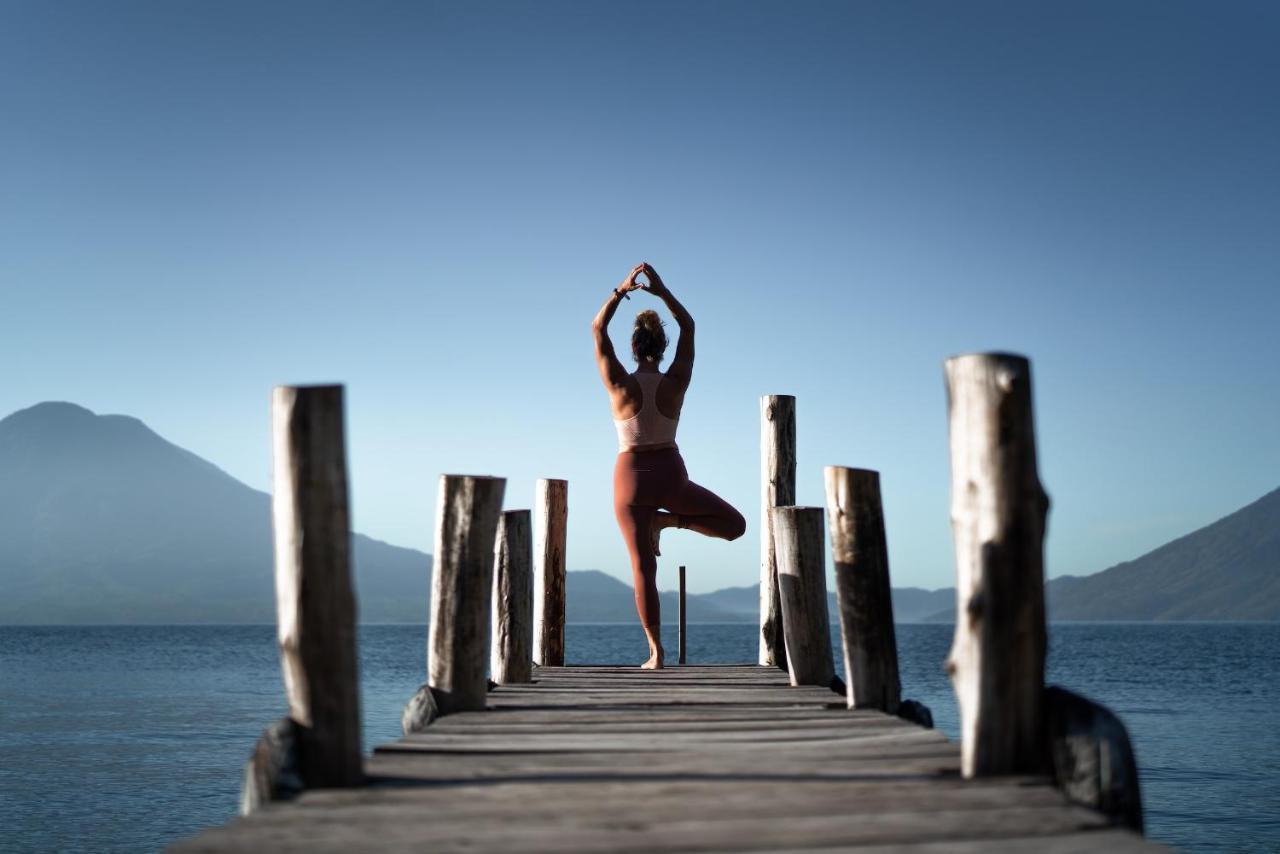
861,559
551,512
802,585
467,510
777,489
683,632
512,656
998,511
315,602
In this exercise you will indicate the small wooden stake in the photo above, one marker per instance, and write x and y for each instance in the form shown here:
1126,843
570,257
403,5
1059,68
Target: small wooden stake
802,584
550,520
467,510
861,560
777,489
512,656
315,602
998,511
683,632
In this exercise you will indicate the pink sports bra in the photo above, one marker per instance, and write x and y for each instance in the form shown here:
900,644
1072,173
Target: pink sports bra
648,426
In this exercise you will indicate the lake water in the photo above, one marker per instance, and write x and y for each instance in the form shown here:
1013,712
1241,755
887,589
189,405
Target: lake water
126,738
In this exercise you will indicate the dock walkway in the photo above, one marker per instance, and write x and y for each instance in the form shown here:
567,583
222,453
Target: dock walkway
695,758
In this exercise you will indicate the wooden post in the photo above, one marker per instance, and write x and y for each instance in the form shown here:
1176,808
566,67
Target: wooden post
550,520
315,603
802,584
512,656
467,510
683,630
998,511
861,559
777,489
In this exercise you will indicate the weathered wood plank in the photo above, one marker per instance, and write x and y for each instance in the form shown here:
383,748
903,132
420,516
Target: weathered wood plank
1085,842
331,829
721,770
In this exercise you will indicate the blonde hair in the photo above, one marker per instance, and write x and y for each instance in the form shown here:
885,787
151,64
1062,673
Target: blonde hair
649,338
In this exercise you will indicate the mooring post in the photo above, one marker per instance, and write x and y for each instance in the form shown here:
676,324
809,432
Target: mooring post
467,511
802,585
861,558
511,660
777,489
315,602
683,632
998,510
550,521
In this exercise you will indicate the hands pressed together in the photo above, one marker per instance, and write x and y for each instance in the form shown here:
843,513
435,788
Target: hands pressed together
653,282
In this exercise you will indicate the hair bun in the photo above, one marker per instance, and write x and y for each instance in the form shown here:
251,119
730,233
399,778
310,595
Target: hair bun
649,320
649,339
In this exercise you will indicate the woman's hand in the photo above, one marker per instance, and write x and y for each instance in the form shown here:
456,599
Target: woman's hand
656,285
630,283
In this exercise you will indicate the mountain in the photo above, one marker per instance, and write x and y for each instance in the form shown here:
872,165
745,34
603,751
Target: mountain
103,521
592,596
913,605
1228,570
910,604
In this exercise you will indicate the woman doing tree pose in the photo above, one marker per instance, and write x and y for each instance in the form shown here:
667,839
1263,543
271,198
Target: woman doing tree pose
651,489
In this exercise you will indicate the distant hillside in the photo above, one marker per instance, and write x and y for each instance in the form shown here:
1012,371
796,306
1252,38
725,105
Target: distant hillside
910,604
1229,570
103,521
594,597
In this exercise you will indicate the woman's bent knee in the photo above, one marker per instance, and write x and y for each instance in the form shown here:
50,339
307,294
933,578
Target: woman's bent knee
737,527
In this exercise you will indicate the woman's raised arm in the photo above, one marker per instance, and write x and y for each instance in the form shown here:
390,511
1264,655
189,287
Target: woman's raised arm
682,364
611,370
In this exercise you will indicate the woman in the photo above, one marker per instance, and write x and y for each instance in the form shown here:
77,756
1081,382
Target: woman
651,489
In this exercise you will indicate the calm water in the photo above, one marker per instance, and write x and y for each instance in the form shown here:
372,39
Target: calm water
126,738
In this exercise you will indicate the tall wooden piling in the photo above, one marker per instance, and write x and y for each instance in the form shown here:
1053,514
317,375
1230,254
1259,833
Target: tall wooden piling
777,489
511,659
551,512
802,586
467,511
998,511
684,634
861,557
315,602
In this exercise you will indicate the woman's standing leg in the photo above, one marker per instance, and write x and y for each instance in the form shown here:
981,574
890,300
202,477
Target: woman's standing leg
636,523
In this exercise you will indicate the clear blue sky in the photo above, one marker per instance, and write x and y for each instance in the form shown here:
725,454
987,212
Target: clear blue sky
428,202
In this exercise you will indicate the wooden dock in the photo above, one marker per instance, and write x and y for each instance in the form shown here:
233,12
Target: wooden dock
690,758
698,758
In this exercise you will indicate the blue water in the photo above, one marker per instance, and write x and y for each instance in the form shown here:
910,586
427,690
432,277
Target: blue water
126,738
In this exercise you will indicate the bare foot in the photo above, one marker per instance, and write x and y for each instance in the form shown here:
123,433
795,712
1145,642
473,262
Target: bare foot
654,662
660,521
